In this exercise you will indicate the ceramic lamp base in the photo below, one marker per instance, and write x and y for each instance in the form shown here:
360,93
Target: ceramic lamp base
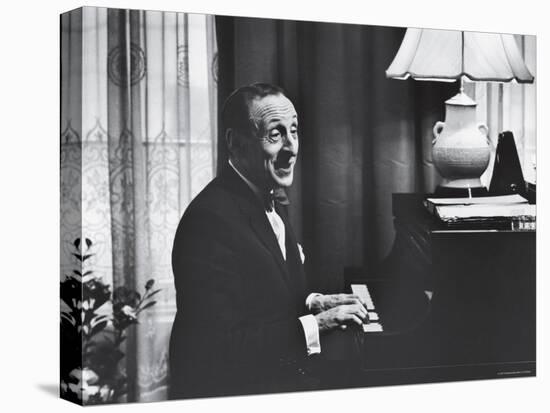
462,183
461,150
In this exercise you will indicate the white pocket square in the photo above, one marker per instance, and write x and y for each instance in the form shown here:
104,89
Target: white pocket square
302,255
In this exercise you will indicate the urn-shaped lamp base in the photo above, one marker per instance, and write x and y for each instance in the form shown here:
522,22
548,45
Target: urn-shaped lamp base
461,150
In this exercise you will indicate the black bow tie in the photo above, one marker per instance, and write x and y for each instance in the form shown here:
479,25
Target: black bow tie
277,195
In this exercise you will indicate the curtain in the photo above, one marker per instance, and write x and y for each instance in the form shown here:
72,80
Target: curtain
362,136
138,121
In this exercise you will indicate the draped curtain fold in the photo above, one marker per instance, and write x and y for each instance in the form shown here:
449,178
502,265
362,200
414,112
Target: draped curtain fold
134,152
362,136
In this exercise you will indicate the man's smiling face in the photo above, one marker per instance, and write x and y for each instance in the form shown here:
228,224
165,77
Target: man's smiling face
270,160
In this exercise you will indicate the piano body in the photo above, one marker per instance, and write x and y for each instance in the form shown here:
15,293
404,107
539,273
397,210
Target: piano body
480,321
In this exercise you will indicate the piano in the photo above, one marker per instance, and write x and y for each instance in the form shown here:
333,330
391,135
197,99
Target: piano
449,305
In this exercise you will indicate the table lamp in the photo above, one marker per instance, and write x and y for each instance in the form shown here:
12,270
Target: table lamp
461,147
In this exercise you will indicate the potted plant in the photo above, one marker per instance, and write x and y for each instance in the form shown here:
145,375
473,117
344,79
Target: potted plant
94,322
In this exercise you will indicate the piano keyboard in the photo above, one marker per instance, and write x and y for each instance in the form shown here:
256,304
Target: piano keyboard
373,325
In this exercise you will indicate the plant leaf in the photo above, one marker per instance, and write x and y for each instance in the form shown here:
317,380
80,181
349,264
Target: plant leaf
68,318
149,304
153,293
98,327
99,318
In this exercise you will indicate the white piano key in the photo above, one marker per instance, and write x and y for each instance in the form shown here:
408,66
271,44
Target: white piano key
372,328
373,316
362,291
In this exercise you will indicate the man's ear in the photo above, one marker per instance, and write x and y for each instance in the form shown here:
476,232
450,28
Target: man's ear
234,142
231,141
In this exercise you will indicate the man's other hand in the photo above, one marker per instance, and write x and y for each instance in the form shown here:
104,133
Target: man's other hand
322,302
341,316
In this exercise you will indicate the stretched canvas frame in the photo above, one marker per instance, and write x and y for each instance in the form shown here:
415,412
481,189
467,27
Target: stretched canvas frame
112,65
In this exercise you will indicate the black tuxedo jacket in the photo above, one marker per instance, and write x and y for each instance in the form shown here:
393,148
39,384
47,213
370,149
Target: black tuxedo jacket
238,301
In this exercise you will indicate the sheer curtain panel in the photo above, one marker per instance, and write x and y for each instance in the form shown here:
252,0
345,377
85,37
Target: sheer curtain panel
138,135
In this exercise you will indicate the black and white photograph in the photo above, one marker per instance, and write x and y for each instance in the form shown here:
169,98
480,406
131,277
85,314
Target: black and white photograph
291,207
254,205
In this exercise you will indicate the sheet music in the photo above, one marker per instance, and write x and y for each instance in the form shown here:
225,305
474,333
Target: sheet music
493,200
486,211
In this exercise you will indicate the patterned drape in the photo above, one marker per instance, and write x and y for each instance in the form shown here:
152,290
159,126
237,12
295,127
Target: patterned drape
138,122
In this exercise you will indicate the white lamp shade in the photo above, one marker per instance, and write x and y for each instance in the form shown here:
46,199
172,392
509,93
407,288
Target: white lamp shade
447,55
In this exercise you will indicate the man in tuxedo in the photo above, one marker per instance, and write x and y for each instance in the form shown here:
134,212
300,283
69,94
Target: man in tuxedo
245,322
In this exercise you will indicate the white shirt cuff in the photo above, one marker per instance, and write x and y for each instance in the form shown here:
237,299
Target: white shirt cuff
311,331
309,299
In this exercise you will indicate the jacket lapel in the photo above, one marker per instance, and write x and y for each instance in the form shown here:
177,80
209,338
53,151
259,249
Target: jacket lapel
293,260
253,208
261,226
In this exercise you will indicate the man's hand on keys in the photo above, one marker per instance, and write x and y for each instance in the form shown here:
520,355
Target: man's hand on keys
325,302
342,315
